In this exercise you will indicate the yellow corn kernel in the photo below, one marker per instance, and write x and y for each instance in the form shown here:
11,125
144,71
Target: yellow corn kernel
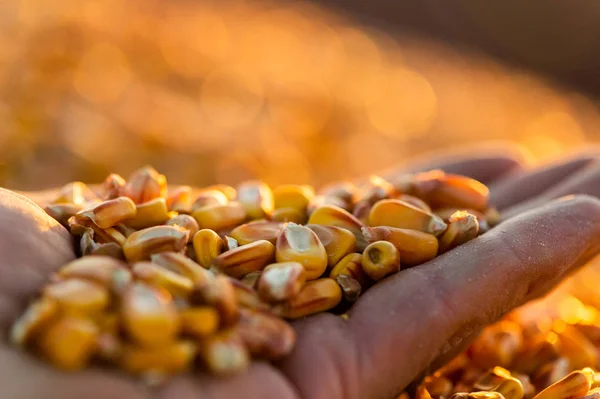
180,199
330,215
338,242
500,380
247,297
293,196
281,281
108,322
109,213
78,296
492,216
361,211
375,189
529,389
36,317
477,395
220,217
172,358
289,215
316,296
415,247
447,190
380,259
552,372
446,213
200,321
229,192
573,345
230,243
222,295
351,265
98,269
256,197
438,386
254,231
185,221
207,246
75,193
462,227
251,279
108,347
497,345
69,342
113,186
414,201
422,393
141,244
395,213
111,249
245,259
342,190
320,200
351,288
150,213
574,385
265,336
145,184
158,276
62,212
182,265
208,197
300,244
225,353
149,315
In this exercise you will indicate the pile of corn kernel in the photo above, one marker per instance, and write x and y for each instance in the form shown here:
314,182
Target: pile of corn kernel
173,277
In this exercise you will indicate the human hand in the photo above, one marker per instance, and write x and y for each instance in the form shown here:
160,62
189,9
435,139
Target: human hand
403,325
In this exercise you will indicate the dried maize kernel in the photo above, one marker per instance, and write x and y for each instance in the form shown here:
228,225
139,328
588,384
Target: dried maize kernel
200,321
222,295
254,231
256,197
338,242
109,347
98,269
415,247
245,259
380,259
281,281
113,186
185,221
150,213
574,385
207,246
300,244
438,386
538,352
592,394
69,342
75,193
330,215
208,197
229,192
289,215
316,296
376,189
395,213
220,217
63,212
414,201
145,184
225,353
149,315
492,216
141,244
477,395
573,345
351,265
78,296
446,190
251,279
293,196
172,358
264,335
446,213
180,199
497,345
320,200
230,243
109,213
500,380
351,288
342,190
158,276
462,227
184,266
422,393
35,318
529,390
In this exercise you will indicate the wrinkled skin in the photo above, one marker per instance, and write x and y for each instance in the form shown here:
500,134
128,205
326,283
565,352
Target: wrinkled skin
406,324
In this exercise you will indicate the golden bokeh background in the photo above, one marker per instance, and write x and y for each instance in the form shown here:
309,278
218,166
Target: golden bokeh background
211,91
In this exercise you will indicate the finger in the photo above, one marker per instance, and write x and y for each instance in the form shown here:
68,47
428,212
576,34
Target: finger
585,181
520,186
402,324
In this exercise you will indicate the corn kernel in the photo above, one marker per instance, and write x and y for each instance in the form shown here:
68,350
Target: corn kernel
351,265
75,193
320,200
395,213
145,184
415,247
342,190
316,296
35,318
351,288
185,221
338,242
207,246
414,201
98,269
222,295
78,296
251,279
113,186
573,345
462,227
180,199
300,244
574,385
225,353
438,386
150,213
247,297
141,244
220,217
172,358
109,213
229,192
256,197
200,321
245,259
63,211
158,276
69,343
500,380
230,243
446,190
293,196
289,215
497,345
380,259
208,197
254,231
281,281
184,266
265,336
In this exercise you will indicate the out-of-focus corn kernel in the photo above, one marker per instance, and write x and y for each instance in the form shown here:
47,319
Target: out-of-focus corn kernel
220,217
550,373
185,221
316,296
251,279
380,259
497,345
446,190
438,386
351,265
158,276
415,247
573,345
145,184
500,380
222,295
208,197
225,353
141,244
254,231
477,395
338,242
35,318
75,193
68,343
574,385
293,196
245,259
247,297
174,357
109,213
207,246
320,200
63,212
296,243
229,192
289,215
184,266
149,315
78,296
99,269
265,335
414,201
256,197
395,213
281,281
150,213
180,199
200,321
342,190
538,352
113,186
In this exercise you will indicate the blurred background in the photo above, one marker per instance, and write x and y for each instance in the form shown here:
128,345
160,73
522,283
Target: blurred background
219,91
